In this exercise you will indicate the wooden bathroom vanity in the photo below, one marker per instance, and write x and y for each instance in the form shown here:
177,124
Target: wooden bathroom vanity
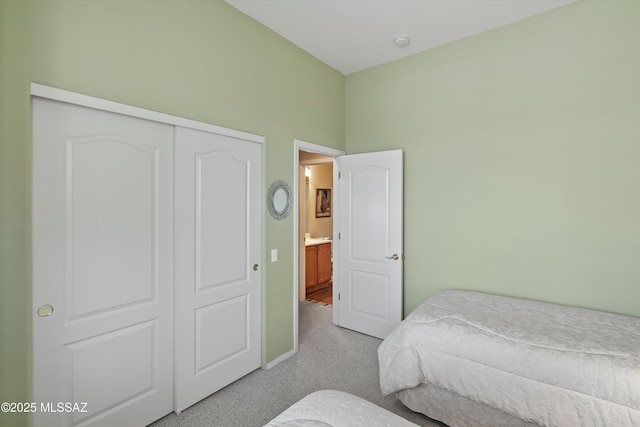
317,264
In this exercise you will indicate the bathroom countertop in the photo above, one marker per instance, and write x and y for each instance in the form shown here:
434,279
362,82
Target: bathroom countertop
312,241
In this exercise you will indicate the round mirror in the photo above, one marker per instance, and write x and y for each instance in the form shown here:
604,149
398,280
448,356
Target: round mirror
279,199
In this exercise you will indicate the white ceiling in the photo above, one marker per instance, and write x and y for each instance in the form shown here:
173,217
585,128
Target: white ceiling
352,35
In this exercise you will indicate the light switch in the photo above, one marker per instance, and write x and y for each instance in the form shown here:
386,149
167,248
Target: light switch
274,255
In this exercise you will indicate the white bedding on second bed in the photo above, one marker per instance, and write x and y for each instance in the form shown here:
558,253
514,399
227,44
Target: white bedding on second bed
548,364
331,408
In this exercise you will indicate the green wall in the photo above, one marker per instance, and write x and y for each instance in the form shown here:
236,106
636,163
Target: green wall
200,59
522,144
522,157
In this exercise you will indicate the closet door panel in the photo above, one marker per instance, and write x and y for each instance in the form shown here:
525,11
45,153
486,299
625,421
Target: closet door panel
220,229
102,266
111,187
217,212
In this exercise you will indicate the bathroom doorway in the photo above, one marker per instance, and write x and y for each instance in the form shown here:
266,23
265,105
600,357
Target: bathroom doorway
312,230
316,217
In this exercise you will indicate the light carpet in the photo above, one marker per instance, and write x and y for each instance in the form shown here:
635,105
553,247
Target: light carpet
328,357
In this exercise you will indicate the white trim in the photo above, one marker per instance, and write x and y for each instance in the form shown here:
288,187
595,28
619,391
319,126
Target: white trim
335,247
311,148
282,358
315,162
115,107
315,148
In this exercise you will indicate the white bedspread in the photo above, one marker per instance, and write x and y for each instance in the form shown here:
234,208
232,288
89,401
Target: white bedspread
330,408
549,364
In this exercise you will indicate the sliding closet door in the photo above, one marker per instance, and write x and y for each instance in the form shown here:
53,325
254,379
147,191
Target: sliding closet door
217,216
102,267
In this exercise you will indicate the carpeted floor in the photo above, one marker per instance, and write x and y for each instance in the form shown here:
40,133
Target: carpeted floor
328,357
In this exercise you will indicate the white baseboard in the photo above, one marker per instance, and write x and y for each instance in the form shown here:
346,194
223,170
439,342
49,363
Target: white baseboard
282,358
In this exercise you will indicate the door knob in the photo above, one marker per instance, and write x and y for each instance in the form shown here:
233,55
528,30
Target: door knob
394,257
45,311
256,267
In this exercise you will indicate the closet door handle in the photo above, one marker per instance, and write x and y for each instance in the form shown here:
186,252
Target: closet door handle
394,257
45,311
256,267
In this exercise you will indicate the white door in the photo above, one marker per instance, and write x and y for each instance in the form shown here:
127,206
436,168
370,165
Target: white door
218,182
102,267
369,258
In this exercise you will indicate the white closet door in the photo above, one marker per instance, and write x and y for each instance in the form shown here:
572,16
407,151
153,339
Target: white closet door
217,199
102,266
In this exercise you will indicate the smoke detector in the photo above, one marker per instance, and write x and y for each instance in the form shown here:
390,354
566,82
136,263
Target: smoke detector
401,41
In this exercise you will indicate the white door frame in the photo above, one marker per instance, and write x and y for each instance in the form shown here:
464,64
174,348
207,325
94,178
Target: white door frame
311,148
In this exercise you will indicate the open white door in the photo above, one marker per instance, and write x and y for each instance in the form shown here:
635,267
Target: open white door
217,242
368,276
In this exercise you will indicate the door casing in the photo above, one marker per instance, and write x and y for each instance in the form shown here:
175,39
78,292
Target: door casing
298,146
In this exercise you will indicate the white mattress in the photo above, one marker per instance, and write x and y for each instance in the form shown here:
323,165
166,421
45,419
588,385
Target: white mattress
336,409
547,364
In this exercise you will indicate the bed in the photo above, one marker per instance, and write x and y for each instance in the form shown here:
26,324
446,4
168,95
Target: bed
331,408
474,359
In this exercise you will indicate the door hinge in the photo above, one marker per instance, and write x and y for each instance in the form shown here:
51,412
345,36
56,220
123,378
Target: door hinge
339,174
338,297
339,236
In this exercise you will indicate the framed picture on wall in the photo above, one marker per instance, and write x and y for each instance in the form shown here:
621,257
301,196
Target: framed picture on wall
323,202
